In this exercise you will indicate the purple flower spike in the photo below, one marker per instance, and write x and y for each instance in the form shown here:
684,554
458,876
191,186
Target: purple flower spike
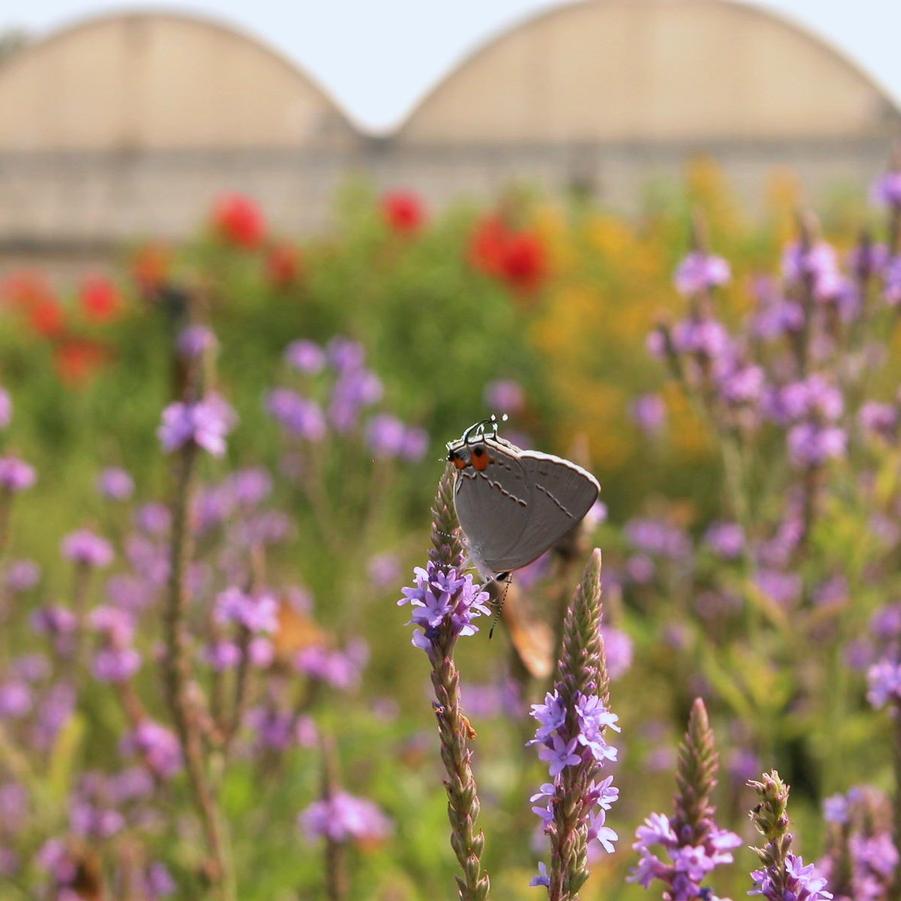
257,613
305,356
206,423
649,413
195,341
812,445
16,475
85,548
296,414
884,680
783,874
444,603
681,851
156,746
443,599
343,817
22,575
801,883
700,272
887,189
571,740
15,699
116,484
116,664
725,539
385,435
505,396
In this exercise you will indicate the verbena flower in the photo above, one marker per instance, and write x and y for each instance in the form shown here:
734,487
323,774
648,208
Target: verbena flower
86,548
344,817
249,487
725,539
22,575
340,668
444,604
255,612
693,845
861,858
700,272
153,518
116,484
655,536
810,444
796,882
648,412
16,475
618,651
879,419
443,601
296,414
156,746
355,387
504,396
205,423
783,876
388,437
305,356
884,680
570,737
195,341
887,189
15,699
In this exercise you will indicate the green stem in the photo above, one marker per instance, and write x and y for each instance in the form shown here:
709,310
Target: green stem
177,674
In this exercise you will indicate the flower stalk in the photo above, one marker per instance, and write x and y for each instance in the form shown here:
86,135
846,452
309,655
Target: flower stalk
783,874
570,737
181,690
177,674
693,842
444,604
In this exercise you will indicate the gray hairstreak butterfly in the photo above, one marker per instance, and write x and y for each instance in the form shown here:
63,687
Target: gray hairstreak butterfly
514,504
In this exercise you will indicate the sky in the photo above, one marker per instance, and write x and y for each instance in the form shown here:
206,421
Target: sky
378,58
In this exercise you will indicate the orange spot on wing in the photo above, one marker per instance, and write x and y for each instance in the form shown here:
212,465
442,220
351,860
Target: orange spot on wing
480,458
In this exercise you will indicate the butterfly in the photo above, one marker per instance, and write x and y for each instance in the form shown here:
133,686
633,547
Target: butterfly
514,504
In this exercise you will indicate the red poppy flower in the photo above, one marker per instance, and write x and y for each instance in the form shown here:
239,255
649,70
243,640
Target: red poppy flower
524,265
517,257
99,298
46,317
77,360
403,211
23,290
238,220
488,244
284,265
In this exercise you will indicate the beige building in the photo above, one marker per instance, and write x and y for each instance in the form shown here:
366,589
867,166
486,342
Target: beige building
131,125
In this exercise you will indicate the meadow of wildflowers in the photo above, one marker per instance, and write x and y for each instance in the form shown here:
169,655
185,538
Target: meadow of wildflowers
244,654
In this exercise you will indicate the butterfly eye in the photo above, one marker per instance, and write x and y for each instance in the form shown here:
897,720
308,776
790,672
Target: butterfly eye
457,459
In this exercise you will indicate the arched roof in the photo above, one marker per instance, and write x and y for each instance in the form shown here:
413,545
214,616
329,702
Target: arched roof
137,81
646,70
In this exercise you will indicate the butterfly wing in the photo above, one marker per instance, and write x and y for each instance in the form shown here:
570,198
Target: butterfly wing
493,504
561,493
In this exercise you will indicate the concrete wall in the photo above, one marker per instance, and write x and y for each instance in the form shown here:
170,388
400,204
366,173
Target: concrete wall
651,71
130,125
